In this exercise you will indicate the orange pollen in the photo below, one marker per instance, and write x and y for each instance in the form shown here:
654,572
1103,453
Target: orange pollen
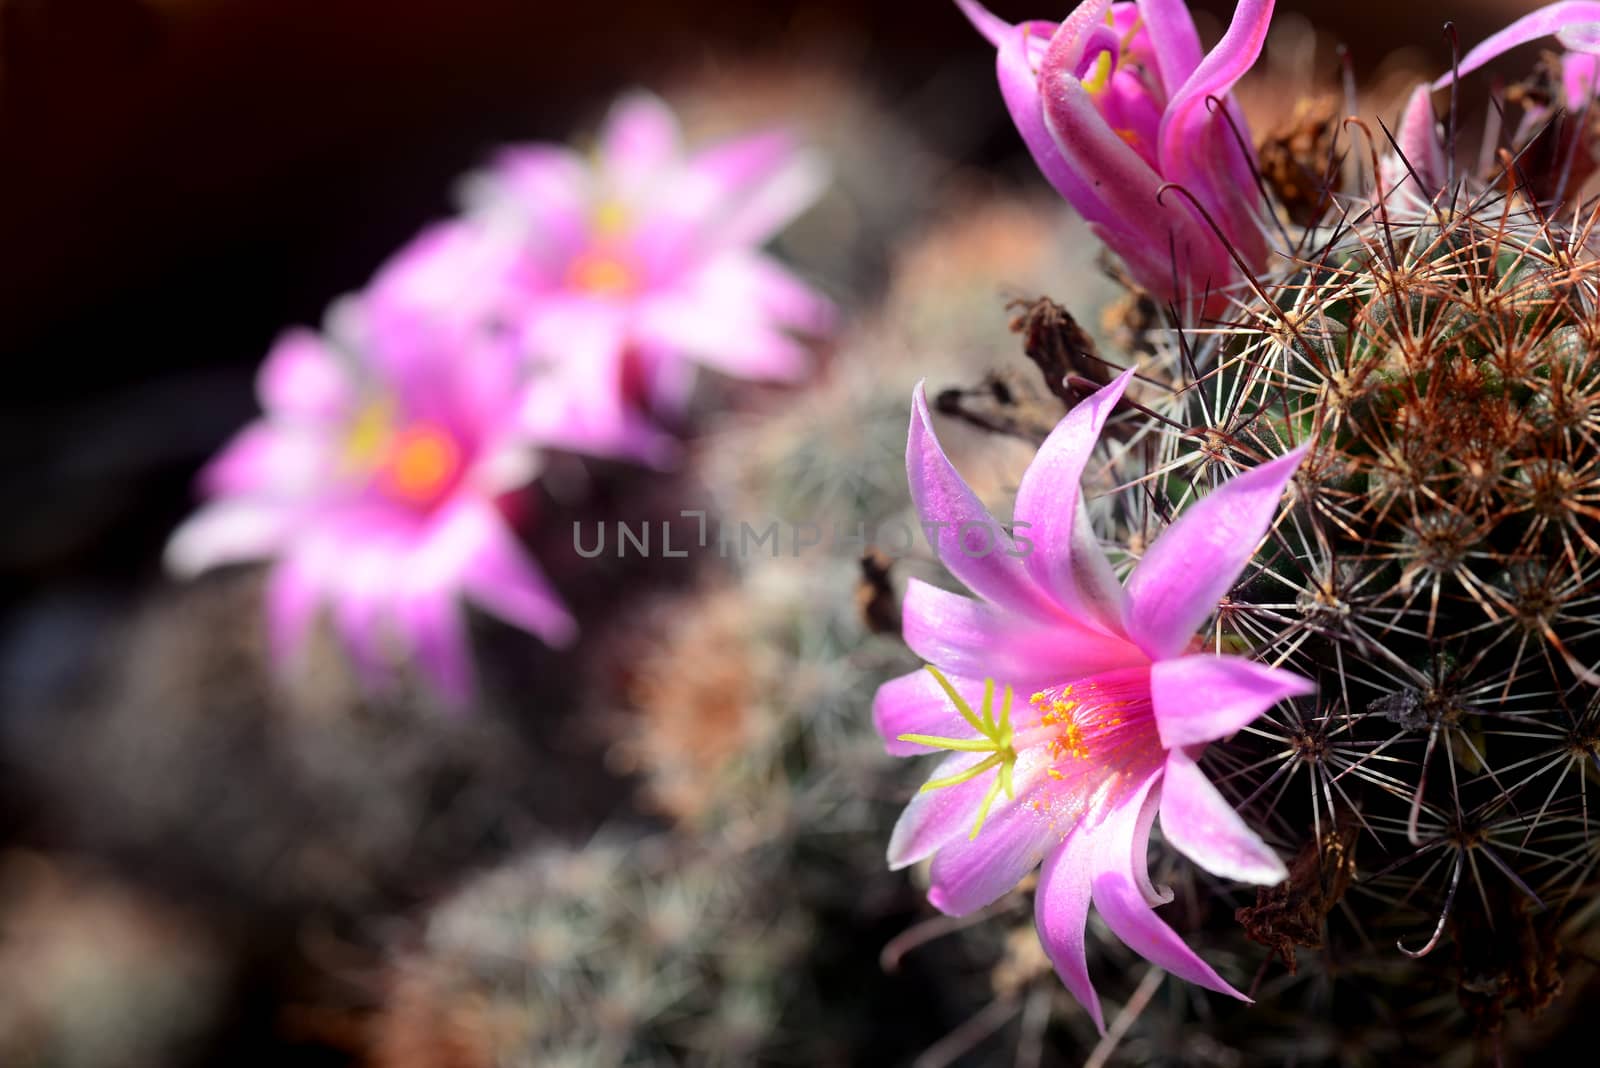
603,274
422,463
1068,739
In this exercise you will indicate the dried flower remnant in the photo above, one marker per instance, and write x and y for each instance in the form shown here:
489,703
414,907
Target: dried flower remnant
1120,704
619,272
372,483
1116,102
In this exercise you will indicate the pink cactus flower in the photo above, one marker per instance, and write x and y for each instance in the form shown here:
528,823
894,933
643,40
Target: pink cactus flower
1120,700
460,276
620,272
373,482
1113,104
1580,79
1411,178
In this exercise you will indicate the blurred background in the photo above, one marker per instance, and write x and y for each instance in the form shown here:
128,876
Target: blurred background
182,178
196,867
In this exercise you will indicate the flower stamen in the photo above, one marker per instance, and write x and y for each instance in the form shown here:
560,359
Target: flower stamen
996,740
1100,77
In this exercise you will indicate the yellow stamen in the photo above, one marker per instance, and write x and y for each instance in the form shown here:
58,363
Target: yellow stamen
369,435
961,777
1133,30
1100,77
1069,740
995,740
610,218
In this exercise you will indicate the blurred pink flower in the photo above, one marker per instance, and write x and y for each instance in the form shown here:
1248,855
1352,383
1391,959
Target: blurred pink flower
1121,700
1113,104
1418,170
1577,26
1575,23
372,482
621,271
1580,79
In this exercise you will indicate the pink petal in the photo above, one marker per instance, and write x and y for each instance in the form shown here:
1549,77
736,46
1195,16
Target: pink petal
227,532
503,579
1143,227
1061,913
544,194
1066,558
730,339
575,398
366,589
1541,23
483,388
971,873
772,292
976,640
1201,698
1069,43
994,28
459,271
280,460
1138,848
1580,37
1119,898
934,817
1419,146
303,378
1580,73
1197,148
434,631
640,140
471,549
916,704
976,549
1195,561
1019,48
293,595
757,186
730,313
1173,38
1200,824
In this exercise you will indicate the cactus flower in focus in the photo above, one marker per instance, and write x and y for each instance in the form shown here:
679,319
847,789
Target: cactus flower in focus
1118,700
1117,101
372,483
621,271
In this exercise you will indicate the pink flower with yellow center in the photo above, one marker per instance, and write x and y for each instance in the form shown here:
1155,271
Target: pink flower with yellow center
373,482
1115,102
1117,700
621,272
